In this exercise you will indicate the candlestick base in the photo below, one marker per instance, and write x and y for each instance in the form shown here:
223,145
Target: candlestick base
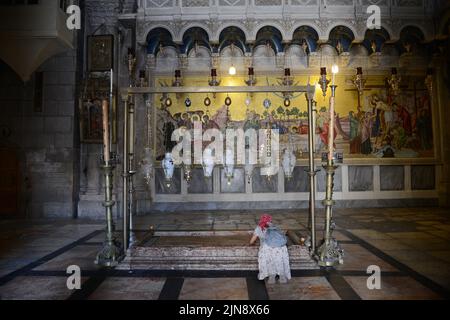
329,253
110,255
112,252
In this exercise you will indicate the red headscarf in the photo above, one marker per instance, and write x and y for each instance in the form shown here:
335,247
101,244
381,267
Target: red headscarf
264,221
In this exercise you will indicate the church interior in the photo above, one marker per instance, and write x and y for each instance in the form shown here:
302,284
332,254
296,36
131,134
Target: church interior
142,141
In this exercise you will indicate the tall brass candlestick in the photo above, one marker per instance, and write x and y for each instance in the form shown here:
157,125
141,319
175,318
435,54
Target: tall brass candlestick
330,253
112,251
106,146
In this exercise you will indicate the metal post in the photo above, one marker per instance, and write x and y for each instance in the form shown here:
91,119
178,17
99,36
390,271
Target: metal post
125,176
329,253
312,171
131,170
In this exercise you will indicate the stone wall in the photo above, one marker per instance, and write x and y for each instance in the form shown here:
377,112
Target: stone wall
44,139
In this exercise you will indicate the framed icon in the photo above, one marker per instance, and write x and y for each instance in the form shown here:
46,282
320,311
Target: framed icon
100,53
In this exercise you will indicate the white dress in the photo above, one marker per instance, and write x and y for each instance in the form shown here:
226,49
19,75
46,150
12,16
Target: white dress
271,261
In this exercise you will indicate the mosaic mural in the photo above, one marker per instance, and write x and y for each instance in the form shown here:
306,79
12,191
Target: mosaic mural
377,125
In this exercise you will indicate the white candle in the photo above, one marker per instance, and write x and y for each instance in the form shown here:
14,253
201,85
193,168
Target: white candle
331,130
105,113
335,70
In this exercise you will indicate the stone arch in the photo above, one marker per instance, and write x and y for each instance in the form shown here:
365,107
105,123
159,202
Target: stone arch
272,24
157,37
241,26
302,24
156,26
193,25
342,24
272,36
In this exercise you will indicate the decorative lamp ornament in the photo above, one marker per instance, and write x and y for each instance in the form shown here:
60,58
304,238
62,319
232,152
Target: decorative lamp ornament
323,81
248,101
287,102
251,77
177,82
168,102
168,167
147,165
228,101
187,172
288,163
229,165
207,101
208,163
267,103
213,82
232,70
248,168
187,102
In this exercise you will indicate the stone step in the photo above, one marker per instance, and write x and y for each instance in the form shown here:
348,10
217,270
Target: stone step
166,253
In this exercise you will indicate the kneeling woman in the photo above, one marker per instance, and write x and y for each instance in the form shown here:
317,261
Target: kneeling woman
273,257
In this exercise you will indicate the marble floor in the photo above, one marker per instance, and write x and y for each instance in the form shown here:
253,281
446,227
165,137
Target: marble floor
410,245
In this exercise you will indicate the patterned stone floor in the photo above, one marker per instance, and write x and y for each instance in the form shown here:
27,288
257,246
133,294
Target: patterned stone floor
410,245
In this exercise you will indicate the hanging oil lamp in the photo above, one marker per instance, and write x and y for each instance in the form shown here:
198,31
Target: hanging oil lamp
323,81
229,165
208,163
287,79
168,101
288,163
168,167
251,81
207,101
213,82
177,81
228,101
287,102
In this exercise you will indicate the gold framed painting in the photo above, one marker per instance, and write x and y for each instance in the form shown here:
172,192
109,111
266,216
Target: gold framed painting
100,53
91,125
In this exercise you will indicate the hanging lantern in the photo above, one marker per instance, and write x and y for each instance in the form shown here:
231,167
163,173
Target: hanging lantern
249,171
177,82
287,102
267,103
213,82
187,172
208,163
207,102
187,102
229,165
168,102
168,167
323,81
248,101
147,165
228,101
251,81
288,163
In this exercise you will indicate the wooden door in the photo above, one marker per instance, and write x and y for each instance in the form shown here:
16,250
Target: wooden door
9,182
